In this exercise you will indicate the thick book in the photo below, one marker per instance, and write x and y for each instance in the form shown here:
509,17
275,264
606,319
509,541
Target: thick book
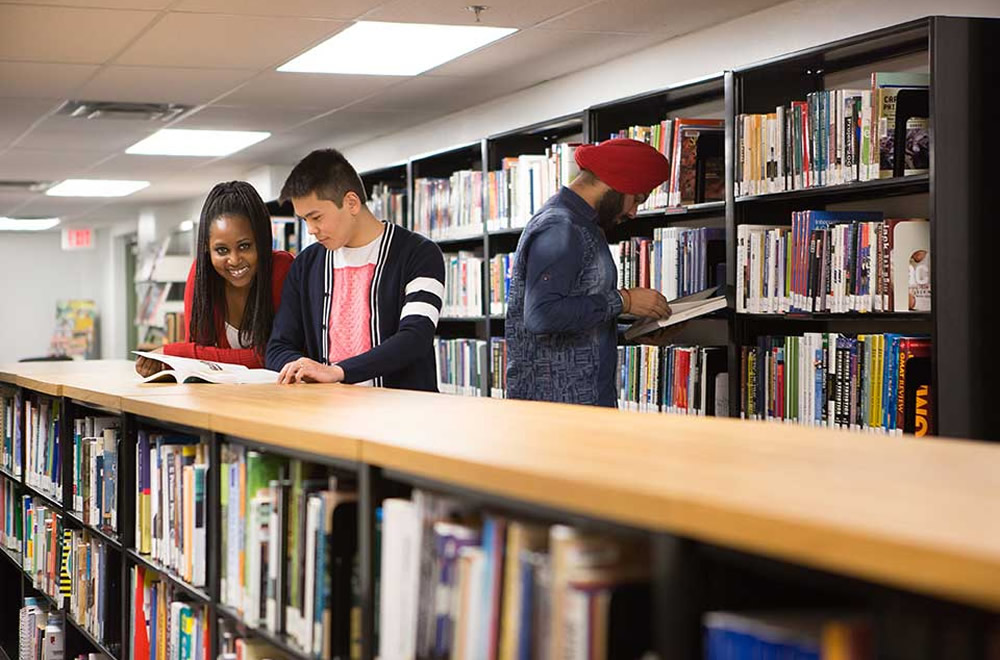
682,309
187,370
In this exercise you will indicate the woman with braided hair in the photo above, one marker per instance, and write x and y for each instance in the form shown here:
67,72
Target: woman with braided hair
234,286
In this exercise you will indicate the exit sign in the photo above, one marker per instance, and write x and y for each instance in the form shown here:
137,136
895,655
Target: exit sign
77,239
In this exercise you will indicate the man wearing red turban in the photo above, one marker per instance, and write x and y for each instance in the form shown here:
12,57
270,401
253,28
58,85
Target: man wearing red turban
562,310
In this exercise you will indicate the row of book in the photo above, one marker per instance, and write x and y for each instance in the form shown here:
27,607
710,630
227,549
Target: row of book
676,262
289,548
501,270
285,234
498,368
837,136
686,380
174,328
388,203
12,514
877,383
42,634
449,208
834,262
463,290
695,149
461,366
795,635
460,584
164,626
96,442
171,499
523,184
42,450
86,572
10,425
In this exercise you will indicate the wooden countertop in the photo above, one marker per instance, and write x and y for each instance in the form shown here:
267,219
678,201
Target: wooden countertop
922,515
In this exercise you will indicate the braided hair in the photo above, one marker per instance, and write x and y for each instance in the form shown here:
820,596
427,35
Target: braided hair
233,198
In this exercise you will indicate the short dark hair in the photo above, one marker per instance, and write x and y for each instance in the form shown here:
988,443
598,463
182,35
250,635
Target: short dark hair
328,174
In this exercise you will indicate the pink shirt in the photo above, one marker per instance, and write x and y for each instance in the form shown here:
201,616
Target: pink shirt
350,312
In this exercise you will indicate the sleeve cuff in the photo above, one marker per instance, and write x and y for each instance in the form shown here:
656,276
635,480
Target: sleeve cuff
615,303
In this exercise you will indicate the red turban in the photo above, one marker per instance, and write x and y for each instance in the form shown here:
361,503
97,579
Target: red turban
628,166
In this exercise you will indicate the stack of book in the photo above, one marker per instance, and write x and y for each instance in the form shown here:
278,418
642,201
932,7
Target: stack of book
485,586
10,430
878,383
163,625
289,549
686,380
834,262
463,290
797,634
449,208
11,513
388,203
524,183
42,446
96,442
86,571
498,368
461,366
501,268
676,262
170,517
837,136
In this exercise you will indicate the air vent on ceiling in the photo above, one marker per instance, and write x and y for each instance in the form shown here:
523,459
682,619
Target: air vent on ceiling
24,186
160,112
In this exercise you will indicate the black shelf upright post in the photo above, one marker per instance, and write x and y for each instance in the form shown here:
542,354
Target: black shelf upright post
213,527
127,493
370,497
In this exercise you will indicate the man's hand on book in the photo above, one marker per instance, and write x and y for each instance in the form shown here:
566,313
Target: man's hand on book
305,370
146,367
644,303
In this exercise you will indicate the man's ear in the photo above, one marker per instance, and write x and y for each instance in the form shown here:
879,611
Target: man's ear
352,202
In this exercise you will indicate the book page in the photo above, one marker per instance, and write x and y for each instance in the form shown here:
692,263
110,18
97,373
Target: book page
192,366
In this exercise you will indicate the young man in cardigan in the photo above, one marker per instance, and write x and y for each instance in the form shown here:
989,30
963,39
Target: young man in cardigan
361,305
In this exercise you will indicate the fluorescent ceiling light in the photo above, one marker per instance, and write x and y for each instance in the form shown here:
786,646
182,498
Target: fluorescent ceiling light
95,188
192,142
27,224
393,49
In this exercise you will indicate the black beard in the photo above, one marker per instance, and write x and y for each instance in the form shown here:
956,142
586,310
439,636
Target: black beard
609,210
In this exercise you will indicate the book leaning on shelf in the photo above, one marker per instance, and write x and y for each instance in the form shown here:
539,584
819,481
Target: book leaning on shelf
517,191
10,420
686,380
12,514
461,366
677,262
463,289
42,420
188,370
164,626
171,515
875,383
482,585
96,443
834,262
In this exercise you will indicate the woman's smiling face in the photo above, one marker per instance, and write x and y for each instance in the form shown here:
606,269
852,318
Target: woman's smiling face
233,250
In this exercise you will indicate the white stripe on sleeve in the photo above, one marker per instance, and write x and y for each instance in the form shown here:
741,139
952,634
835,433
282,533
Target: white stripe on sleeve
428,284
420,309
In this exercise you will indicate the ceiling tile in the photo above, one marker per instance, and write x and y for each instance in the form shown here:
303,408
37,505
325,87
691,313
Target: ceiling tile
103,137
434,95
342,9
148,168
347,127
307,90
162,85
670,17
13,200
105,4
53,165
56,207
42,81
66,34
18,115
502,13
246,118
230,42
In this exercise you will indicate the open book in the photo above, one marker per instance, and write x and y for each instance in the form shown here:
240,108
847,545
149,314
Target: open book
186,370
681,309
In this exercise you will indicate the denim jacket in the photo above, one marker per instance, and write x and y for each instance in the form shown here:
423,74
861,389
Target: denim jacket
561,326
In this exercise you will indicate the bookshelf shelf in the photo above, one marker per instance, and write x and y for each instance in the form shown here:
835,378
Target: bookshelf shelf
15,558
906,185
278,641
91,639
35,590
108,538
888,318
459,240
46,499
509,231
462,319
195,592
692,211
10,475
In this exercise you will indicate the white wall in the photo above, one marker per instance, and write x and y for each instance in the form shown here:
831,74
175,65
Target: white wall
34,273
774,31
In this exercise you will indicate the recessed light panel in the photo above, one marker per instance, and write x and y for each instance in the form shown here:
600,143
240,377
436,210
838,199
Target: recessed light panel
95,188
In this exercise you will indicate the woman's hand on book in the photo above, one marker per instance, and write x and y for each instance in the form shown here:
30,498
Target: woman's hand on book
146,367
305,370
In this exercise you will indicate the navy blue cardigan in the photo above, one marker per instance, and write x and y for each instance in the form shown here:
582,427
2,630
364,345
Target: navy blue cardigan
405,302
